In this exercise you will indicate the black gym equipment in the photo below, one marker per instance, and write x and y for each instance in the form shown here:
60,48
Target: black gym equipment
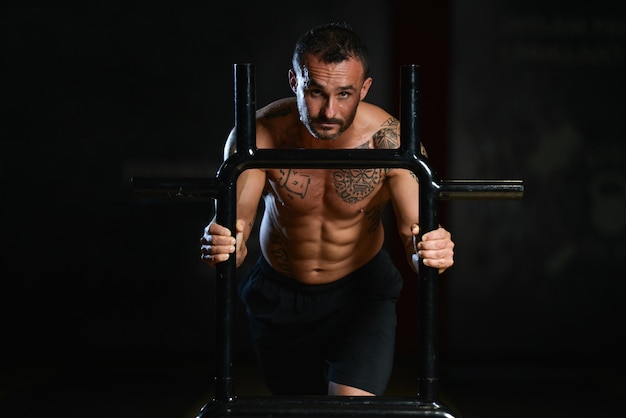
222,188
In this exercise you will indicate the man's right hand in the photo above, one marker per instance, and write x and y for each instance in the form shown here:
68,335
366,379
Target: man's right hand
217,243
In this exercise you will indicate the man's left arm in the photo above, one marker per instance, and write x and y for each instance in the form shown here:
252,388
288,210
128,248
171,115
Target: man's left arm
436,248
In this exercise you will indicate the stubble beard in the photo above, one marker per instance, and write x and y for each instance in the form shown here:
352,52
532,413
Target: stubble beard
324,135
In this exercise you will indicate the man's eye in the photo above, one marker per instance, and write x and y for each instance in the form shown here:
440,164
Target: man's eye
344,94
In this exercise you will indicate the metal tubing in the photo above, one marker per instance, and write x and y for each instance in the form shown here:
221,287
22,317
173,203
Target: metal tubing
326,406
428,219
481,189
226,211
247,156
203,189
245,108
409,110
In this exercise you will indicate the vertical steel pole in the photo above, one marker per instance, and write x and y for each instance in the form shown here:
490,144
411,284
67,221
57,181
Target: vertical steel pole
226,214
428,206
409,110
245,108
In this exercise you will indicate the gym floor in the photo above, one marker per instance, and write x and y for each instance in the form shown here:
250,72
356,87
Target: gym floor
180,389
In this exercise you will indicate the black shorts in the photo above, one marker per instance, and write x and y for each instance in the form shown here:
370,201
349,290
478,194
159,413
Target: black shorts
305,335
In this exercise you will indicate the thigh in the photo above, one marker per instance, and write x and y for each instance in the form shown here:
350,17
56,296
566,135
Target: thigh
363,351
363,347
286,330
291,361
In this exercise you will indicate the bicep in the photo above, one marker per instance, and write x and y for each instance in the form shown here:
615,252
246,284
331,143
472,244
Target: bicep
250,185
404,191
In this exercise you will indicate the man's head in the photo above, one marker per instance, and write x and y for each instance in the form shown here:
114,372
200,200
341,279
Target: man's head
330,76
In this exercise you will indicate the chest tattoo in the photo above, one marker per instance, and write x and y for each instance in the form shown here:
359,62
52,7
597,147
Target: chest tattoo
293,182
354,185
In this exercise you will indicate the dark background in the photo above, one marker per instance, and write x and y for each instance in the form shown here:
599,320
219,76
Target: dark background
106,307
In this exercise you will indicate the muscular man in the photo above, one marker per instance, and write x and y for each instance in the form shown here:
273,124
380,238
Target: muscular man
321,298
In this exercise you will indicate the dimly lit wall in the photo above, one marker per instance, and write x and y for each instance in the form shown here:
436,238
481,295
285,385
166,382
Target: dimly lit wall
95,94
537,93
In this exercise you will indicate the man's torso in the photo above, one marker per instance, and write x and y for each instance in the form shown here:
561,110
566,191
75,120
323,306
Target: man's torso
321,224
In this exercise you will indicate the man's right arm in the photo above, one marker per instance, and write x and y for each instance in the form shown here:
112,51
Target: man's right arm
218,242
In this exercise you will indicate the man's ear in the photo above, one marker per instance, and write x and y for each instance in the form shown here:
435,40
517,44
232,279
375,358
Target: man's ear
293,80
366,87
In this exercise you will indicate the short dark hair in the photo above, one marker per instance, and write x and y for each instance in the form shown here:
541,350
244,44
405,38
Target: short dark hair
331,43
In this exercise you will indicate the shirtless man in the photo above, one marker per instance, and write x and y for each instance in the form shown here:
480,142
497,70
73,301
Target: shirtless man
321,298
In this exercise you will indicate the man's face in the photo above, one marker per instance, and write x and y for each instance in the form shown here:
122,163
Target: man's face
328,95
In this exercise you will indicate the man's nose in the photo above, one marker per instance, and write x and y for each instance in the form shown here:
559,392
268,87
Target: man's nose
329,108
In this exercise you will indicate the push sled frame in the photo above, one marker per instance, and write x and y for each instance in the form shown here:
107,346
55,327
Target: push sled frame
222,189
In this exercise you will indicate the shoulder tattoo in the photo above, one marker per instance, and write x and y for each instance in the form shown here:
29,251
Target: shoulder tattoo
387,136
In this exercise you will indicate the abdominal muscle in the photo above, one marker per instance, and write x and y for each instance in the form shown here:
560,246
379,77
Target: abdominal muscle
317,247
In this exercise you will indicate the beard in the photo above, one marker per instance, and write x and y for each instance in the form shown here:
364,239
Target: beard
327,133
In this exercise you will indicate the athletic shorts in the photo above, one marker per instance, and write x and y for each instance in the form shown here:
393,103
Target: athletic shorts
306,335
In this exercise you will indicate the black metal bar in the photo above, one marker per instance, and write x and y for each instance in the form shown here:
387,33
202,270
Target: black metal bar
203,189
245,134
481,189
409,110
428,294
245,108
326,406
